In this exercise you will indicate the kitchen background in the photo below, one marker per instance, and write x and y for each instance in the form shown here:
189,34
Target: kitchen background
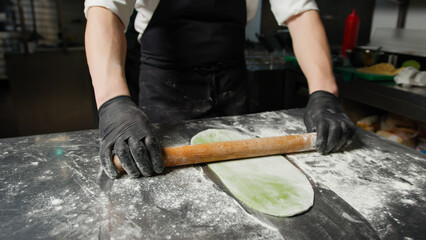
45,85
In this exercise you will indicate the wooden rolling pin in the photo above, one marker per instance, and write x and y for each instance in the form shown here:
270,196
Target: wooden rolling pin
220,151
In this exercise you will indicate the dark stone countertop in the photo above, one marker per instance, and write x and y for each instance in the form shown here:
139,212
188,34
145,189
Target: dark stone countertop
51,186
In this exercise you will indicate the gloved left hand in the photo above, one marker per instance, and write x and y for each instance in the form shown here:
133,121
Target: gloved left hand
325,116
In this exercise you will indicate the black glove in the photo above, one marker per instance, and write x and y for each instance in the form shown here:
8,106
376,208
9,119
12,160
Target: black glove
126,131
325,116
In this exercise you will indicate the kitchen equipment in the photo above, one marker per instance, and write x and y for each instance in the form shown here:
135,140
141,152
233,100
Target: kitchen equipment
400,44
360,57
219,151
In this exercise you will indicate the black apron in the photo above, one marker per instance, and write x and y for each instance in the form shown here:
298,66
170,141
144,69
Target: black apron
192,60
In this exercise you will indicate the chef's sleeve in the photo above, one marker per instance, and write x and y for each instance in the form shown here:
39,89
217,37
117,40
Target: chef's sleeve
122,8
285,9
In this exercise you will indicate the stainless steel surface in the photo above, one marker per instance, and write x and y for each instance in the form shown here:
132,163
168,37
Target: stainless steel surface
400,41
51,187
402,13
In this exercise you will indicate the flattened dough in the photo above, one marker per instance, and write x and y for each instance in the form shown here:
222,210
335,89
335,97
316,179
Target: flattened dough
271,185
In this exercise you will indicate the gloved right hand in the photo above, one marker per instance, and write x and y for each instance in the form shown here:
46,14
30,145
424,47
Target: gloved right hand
325,116
126,132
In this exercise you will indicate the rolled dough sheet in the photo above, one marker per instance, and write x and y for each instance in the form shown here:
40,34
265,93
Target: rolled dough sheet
271,185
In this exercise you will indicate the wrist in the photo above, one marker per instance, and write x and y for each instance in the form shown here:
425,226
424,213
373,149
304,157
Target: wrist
322,93
102,99
115,100
109,84
330,87
109,89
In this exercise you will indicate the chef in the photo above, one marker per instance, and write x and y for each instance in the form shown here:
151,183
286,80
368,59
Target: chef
192,66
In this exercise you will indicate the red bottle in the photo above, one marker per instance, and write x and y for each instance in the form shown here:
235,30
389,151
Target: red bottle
350,36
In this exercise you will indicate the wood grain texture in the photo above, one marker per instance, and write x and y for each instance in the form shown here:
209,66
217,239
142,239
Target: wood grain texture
228,150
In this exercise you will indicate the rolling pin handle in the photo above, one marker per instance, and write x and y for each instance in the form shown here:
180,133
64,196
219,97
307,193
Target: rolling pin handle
118,164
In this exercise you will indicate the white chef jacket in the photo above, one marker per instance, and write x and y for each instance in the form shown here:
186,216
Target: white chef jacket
282,9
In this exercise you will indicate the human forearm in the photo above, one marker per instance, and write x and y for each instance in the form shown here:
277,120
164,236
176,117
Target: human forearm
312,51
323,114
124,129
105,50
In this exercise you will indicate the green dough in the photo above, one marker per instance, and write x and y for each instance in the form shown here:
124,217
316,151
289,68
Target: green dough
271,185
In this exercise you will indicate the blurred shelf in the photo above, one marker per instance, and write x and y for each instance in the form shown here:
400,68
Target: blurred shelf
4,34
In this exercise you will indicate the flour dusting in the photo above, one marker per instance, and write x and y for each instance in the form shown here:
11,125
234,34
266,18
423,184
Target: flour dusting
362,178
379,183
56,201
51,187
187,205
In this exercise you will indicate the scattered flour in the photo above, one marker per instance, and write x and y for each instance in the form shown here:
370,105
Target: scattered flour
371,179
362,178
56,201
68,199
187,204
347,216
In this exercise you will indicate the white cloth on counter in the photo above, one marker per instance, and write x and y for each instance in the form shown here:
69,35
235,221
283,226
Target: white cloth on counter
282,9
410,76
